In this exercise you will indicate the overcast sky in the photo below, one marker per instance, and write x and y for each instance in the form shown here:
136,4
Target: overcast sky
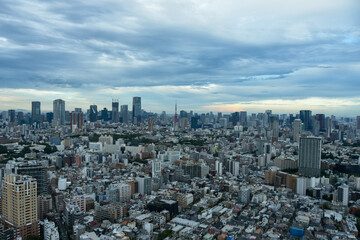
209,55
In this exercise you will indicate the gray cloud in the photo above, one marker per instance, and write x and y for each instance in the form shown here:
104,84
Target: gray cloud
267,51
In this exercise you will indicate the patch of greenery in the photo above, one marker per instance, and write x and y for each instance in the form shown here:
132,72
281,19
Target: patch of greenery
327,155
164,234
94,138
49,149
3,149
138,160
195,142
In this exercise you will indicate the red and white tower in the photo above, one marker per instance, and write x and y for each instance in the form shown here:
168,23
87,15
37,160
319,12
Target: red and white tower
175,117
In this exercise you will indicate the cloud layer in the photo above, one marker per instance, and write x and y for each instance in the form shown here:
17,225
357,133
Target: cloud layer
225,55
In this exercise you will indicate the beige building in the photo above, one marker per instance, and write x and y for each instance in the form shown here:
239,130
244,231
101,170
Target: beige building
19,205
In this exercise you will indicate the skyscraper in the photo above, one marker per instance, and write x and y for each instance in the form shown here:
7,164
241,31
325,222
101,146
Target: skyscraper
243,118
105,115
115,111
358,122
136,109
124,114
267,115
35,112
321,119
77,119
274,125
59,112
93,113
19,205
36,171
11,115
343,194
305,117
144,184
310,156
297,129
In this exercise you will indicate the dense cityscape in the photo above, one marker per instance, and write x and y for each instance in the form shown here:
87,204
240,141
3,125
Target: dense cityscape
126,173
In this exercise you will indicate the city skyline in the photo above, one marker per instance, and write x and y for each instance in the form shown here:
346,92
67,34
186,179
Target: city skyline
210,56
170,113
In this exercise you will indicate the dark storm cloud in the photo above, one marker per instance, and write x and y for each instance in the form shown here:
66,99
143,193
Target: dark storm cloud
302,50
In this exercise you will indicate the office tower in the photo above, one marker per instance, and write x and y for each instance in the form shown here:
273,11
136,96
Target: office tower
305,117
144,185
11,115
77,119
19,205
93,113
115,111
38,172
267,153
219,167
124,114
343,194
20,118
235,118
243,118
267,115
105,115
35,112
358,122
136,110
322,123
194,122
302,183
234,168
59,112
45,206
49,117
310,156
124,192
297,127
274,125
244,195
156,168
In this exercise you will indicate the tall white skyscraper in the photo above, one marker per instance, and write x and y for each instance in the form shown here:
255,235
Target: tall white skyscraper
297,129
218,167
310,156
145,185
59,112
156,168
234,168
343,194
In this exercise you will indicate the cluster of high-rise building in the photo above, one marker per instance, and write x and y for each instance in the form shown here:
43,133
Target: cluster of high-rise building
60,116
124,174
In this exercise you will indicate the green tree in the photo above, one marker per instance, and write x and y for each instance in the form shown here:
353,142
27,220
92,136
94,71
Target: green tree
49,149
3,149
164,234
